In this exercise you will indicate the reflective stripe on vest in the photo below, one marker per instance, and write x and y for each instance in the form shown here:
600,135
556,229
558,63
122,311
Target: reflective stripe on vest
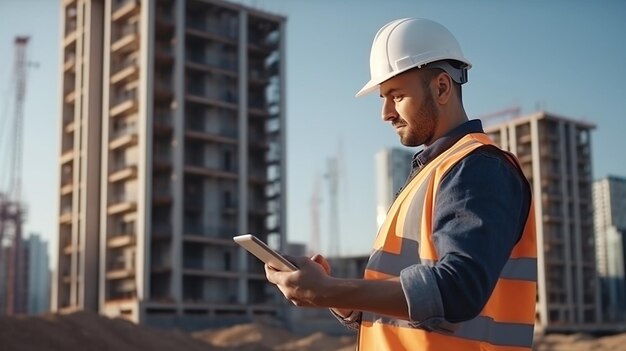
405,238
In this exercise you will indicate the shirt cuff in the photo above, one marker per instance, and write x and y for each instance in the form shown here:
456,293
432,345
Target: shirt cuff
424,299
352,321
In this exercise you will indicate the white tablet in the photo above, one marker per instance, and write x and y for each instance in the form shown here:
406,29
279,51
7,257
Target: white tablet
263,252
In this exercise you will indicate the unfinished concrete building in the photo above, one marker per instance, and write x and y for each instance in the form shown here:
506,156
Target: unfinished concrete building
555,154
172,141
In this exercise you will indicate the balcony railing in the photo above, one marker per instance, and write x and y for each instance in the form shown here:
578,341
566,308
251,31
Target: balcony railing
123,197
127,29
123,132
120,266
213,27
123,64
66,180
70,59
118,166
125,95
195,162
122,228
117,4
217,94
70,26
220,61
66,209
227,132
68,146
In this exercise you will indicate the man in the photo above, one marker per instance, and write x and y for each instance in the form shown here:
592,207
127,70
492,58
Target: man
454,264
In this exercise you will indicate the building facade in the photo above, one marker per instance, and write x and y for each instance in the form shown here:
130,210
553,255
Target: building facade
38,260
609,202
555,155
174,146
393,166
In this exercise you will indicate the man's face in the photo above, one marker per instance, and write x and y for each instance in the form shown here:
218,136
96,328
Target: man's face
408,104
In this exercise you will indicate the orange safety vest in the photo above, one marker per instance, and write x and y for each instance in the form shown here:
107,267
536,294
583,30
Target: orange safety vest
506,322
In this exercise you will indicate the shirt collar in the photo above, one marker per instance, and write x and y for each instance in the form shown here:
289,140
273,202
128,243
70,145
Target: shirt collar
440,145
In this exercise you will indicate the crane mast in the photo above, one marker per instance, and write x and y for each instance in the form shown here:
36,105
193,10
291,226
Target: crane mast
11,208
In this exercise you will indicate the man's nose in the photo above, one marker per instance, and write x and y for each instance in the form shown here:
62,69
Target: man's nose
389,110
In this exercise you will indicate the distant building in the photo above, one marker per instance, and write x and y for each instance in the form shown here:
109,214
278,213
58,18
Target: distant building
38,275
295,249
609,200
392,170
172,140
555,155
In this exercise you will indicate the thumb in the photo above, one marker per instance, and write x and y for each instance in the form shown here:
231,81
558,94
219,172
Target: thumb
319,259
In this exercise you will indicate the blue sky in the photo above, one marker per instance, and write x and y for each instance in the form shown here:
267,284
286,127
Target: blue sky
567,57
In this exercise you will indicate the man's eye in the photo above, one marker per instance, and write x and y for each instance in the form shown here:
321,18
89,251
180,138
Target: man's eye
397,98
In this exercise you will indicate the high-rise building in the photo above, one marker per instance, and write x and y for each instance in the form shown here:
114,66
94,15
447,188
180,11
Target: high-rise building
172,141
609,202
392,169
38,264
555,155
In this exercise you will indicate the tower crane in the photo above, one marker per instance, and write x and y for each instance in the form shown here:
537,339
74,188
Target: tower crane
316,200
12,212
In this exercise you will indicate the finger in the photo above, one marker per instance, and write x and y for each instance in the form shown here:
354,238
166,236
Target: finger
271,274
319,259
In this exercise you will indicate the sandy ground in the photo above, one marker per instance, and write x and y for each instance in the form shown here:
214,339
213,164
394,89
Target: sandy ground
86,331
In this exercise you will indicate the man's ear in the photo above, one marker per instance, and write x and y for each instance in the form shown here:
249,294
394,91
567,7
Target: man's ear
444,88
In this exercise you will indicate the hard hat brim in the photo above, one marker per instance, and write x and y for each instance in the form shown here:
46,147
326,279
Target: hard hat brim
367,88
374,83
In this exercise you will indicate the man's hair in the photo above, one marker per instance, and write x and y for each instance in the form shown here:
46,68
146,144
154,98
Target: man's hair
428,74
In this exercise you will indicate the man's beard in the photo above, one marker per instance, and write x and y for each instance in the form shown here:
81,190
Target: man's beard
422,129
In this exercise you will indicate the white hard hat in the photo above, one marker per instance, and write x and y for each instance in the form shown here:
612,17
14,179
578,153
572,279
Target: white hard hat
413,42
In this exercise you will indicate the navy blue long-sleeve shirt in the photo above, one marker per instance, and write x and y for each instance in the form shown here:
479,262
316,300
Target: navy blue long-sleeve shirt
481,210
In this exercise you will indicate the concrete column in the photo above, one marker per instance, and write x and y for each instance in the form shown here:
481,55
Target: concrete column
541,274
242,118
144,169
283,135
178,228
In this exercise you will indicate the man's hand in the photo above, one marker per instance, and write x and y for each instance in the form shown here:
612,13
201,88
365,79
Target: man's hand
307,285
321,260
312,286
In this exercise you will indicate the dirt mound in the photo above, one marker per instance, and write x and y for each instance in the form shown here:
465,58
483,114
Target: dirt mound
245,334
263,337
86,331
